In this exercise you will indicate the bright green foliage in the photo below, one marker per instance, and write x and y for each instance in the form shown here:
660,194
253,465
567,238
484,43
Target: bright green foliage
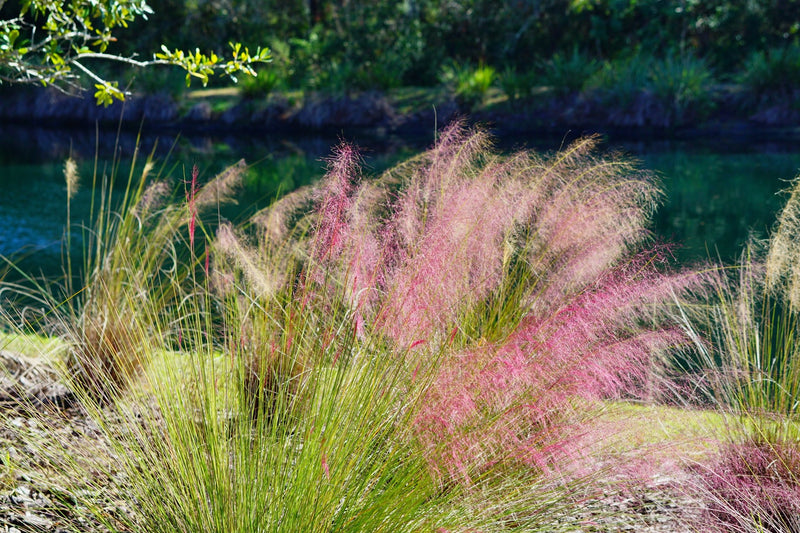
469,84
360,44
202,66
49,42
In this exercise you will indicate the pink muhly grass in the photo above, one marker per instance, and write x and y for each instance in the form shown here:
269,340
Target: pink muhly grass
276,222
586,328
222,188
333,202
524,276
262,277
325,468
753,486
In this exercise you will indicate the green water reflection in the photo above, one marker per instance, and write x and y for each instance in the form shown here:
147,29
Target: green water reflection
716,199
716,194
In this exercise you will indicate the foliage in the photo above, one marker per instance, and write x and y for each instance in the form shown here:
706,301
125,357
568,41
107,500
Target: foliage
753,369
767,349
775,71
260,85
53,44
679,83
721,30
516,84
115,313
469,84
621,80
754,323
360,45
386,43
683,82
754,486
435,336
567,74
477,271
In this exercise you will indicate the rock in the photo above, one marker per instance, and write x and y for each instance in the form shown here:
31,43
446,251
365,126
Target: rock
32,521
200,112
31,382
52,107
369,109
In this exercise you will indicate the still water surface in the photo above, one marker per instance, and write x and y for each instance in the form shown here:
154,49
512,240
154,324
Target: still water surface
717,193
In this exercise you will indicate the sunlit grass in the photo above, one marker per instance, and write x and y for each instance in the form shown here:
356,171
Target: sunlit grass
453,345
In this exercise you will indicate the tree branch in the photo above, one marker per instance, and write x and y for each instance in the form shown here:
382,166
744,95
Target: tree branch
92,75
120,59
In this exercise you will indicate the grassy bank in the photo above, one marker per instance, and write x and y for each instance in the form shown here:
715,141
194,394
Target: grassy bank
671,93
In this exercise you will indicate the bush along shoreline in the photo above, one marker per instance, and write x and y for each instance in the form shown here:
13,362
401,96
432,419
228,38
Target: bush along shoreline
651,108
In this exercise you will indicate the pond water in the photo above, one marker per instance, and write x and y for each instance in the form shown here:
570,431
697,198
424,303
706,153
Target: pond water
717,193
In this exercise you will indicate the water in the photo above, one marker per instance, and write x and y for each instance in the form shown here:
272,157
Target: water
717,194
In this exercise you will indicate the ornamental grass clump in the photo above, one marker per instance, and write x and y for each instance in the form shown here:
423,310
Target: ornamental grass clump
512,288
753,485
411,352
133,275
752,360
753,324
111,307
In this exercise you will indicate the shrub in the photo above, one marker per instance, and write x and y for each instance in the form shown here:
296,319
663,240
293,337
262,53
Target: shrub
470,85
568,74
664,92
774,71
514,84
261,85
682,82
621,80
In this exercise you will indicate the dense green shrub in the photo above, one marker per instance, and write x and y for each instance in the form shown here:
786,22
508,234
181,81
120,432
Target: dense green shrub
516,83
682,82
361,44
260,86
621,80
679,84
772,71
567,74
